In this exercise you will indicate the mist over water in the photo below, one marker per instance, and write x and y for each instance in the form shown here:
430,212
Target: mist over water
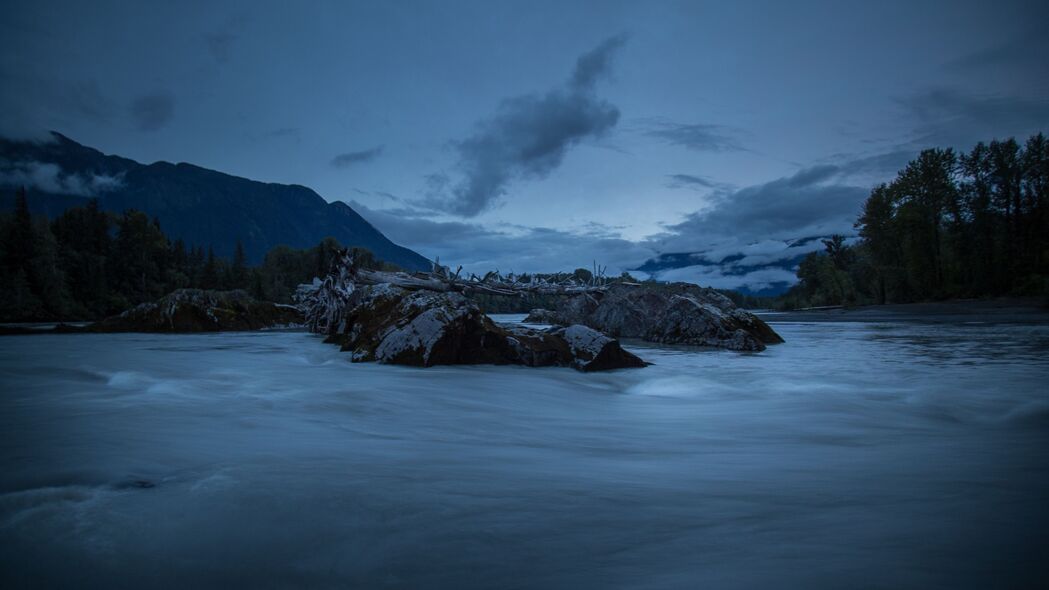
855,455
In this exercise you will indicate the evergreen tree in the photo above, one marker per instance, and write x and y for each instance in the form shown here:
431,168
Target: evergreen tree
239,270
950,226
209,278
140,253
20,244
84,246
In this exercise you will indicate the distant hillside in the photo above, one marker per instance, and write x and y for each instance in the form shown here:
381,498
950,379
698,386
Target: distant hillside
202,207
764,271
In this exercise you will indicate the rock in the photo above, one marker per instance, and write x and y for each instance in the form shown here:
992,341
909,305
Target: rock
593,351
392,325
542,316
196,310
674,313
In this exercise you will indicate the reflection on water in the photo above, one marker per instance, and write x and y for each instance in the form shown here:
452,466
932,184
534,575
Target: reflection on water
856,455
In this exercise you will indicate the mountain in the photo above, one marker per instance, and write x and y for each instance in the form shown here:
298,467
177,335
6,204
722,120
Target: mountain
202,207
767,268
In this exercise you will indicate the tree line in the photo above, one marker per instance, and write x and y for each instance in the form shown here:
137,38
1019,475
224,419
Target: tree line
88,264
950,225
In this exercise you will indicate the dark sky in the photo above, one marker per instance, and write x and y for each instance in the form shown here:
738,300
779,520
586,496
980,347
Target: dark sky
540,136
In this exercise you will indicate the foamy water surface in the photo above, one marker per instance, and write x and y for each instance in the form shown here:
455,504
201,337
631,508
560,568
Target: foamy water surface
853,456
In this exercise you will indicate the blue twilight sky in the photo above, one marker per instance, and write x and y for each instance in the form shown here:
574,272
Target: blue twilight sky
536,136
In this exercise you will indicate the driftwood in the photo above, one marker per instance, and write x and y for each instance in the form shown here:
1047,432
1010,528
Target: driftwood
441,279
323,302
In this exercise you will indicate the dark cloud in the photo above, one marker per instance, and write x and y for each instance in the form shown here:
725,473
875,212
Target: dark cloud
85,99
1023,51
694,136
595,64
352,158
869,170
814,201
283,133
696,182
528,137
220,41
220,45
752,237
946,117
383,194
678,180
153,111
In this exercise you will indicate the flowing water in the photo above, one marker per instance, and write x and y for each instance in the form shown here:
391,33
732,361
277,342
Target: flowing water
853,456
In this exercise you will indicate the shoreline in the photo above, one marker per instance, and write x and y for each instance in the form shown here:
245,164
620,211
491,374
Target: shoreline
1012,310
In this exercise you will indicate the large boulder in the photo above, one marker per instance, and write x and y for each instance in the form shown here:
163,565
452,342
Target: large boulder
389,324
593,351
675,313
197,310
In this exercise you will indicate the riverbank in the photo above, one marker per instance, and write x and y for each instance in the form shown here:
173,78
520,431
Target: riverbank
1003,310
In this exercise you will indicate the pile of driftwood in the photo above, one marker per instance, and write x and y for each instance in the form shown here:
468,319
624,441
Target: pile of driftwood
323,301
669,313
425,319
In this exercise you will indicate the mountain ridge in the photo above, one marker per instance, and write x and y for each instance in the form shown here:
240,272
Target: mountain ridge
203,207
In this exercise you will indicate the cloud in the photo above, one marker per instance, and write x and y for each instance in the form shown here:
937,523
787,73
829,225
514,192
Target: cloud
293,133
755,229
695,136
527,137
748,238
595,64
814,201
716,277
220,44
220,41
153,111
21,129
481,248
85,99
50,178
946,117
1024,52
697,182
764,264
352,158
42,103
752,237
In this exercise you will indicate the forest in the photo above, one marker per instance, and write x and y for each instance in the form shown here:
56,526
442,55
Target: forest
88,263
950,225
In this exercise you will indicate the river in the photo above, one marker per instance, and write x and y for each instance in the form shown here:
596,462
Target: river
856,455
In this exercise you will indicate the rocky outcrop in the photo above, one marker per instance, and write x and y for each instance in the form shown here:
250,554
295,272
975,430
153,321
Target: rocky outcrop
388,324
196,310
542,316
675,313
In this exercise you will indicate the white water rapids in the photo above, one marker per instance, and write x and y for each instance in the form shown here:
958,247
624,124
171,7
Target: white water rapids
853,456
